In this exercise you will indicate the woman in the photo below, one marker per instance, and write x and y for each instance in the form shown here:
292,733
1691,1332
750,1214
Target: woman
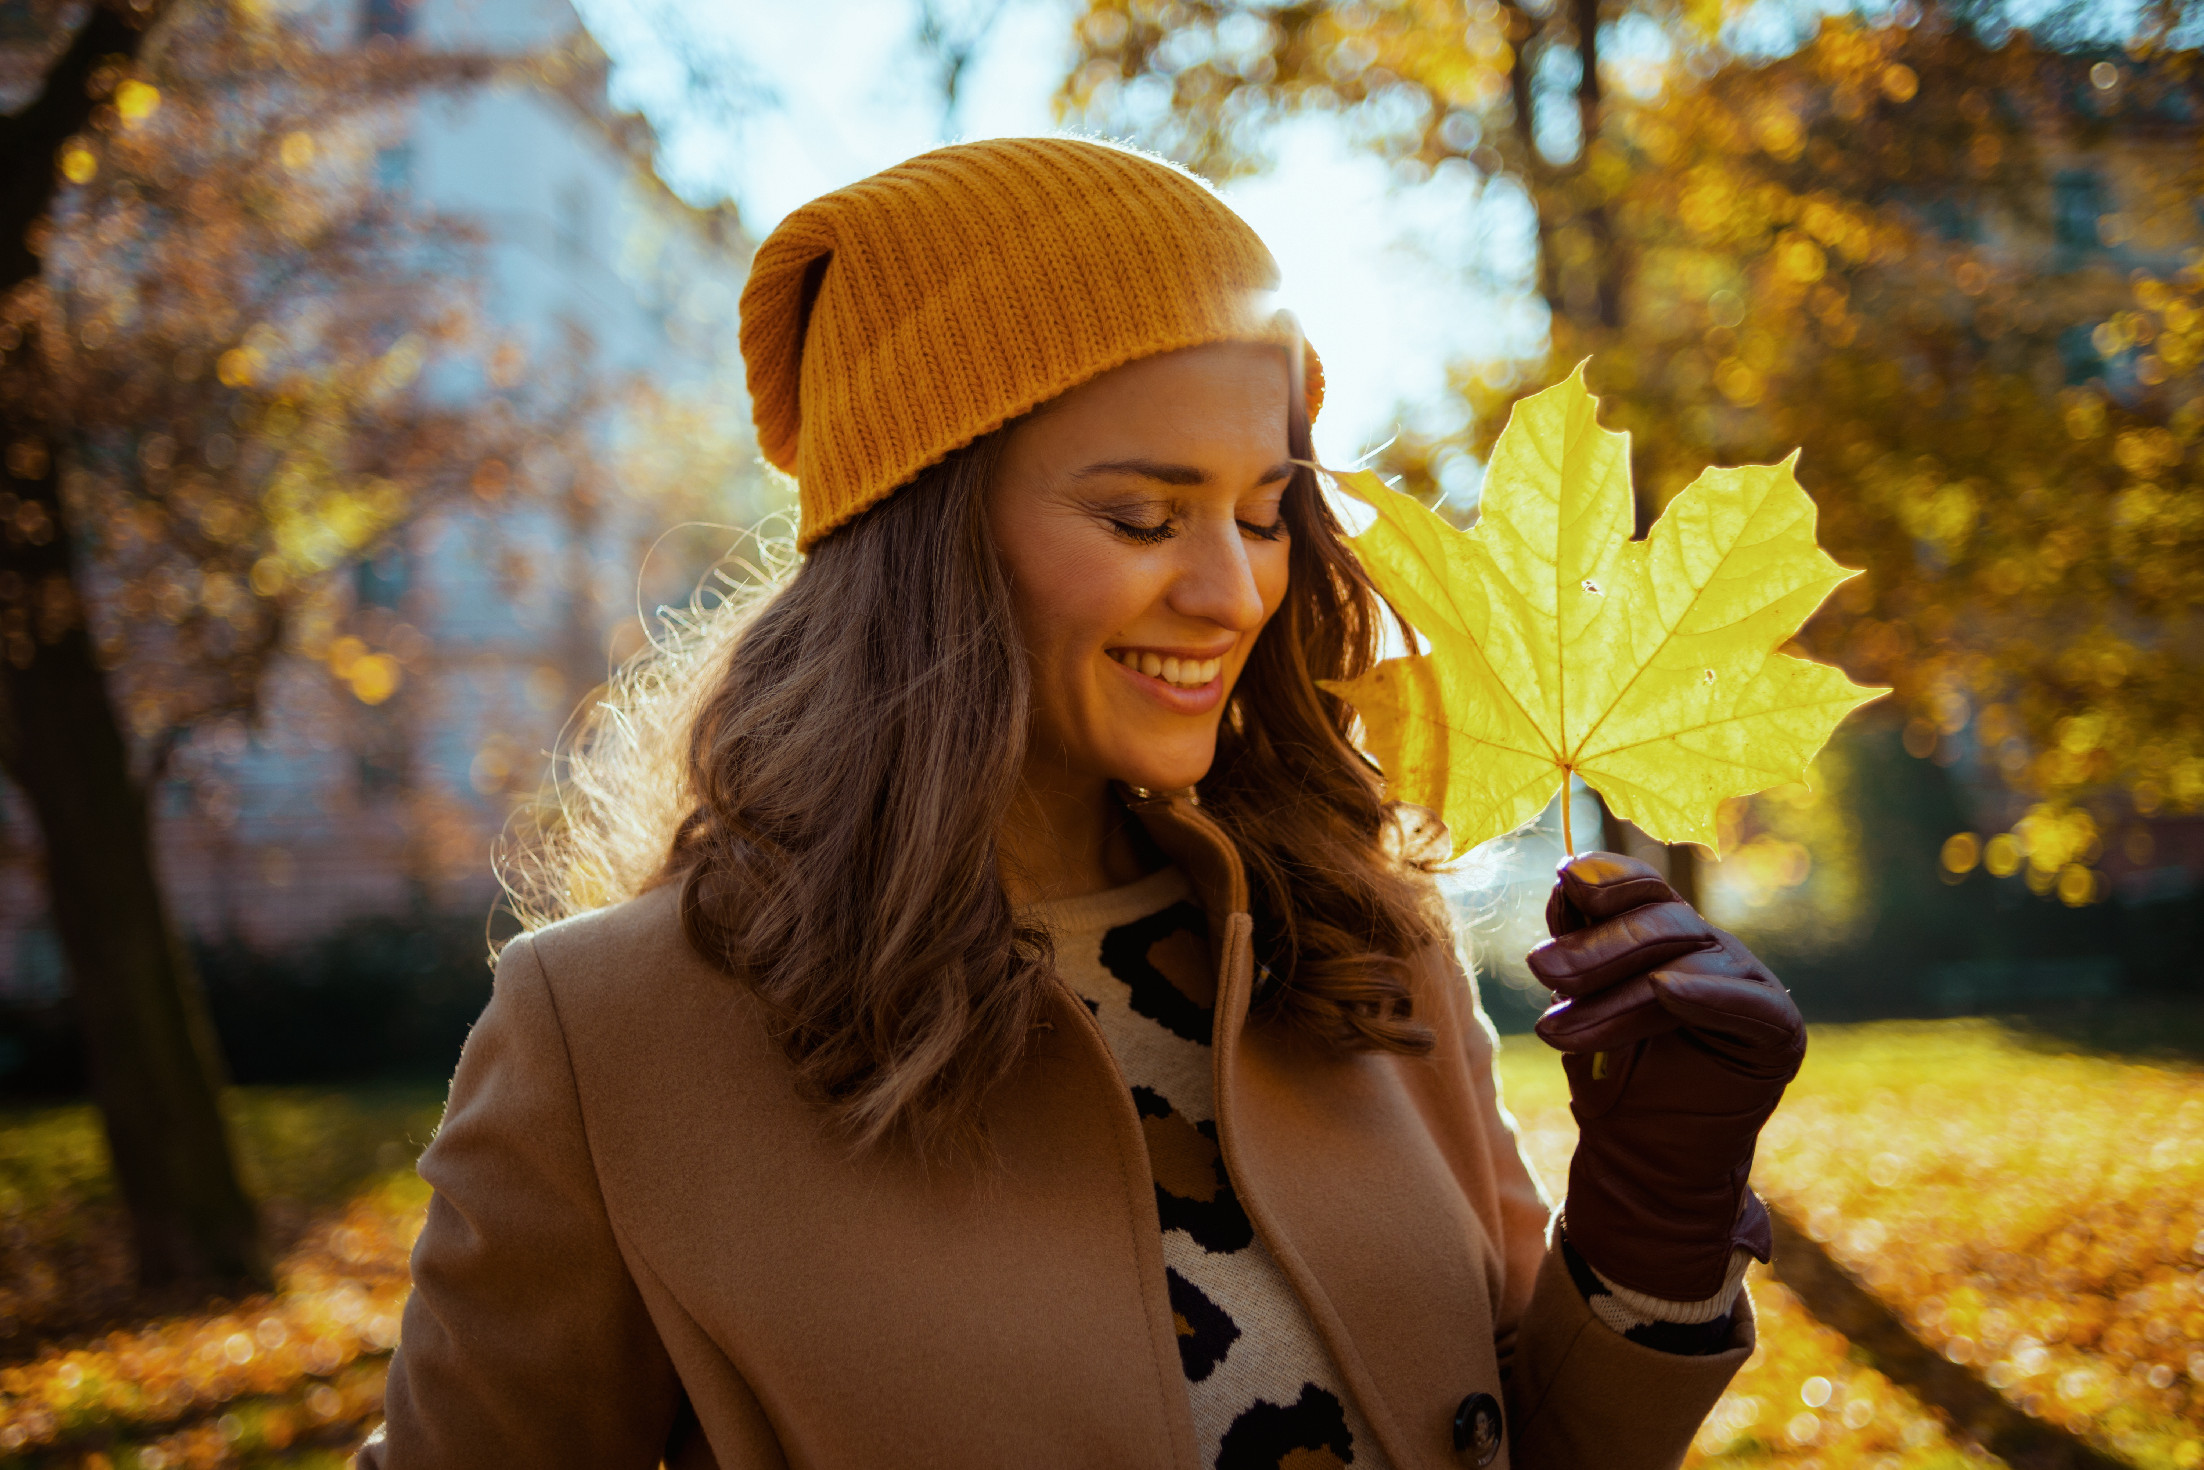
1028,1037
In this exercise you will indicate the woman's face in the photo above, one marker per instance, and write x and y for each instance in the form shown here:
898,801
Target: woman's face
1138,519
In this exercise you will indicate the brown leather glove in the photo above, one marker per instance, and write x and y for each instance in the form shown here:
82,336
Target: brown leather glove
1678,1044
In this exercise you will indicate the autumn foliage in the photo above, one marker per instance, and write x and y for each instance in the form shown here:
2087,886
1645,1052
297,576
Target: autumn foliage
1957,267
240,325
235,361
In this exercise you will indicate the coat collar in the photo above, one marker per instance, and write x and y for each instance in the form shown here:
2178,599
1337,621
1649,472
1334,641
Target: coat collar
1200,848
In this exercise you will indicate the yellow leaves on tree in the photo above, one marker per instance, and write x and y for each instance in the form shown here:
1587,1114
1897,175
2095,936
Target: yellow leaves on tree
1559,645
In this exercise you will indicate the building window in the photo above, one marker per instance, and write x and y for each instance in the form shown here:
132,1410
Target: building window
393,18
2077,202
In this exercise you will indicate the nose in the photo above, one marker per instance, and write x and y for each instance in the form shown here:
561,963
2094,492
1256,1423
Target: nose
1217,584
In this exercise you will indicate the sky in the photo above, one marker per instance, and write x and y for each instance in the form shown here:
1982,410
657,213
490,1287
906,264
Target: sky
1383,275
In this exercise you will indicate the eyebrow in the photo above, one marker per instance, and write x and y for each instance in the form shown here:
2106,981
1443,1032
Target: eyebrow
1175,474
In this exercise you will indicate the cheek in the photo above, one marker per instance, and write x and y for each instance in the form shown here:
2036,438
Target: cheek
1273,569
1076,597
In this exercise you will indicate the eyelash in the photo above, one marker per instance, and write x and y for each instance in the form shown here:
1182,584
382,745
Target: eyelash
1161,531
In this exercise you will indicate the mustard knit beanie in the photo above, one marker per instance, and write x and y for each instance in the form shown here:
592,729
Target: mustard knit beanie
886,324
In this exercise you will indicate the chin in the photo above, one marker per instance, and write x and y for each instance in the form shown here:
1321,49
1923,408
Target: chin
1167,775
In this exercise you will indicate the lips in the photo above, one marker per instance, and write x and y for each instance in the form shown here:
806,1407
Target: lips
1179,673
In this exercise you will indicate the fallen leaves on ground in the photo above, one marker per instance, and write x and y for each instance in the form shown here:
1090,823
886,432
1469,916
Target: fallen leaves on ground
65,1266
1800,1400
2037,1216
93,1375
204,1390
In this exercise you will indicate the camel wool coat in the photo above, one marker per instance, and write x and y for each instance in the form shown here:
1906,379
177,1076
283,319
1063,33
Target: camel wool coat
644,1247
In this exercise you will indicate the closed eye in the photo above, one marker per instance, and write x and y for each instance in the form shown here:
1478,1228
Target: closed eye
1143,535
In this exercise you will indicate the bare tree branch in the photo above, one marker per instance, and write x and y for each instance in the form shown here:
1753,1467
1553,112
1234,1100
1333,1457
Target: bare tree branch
952,35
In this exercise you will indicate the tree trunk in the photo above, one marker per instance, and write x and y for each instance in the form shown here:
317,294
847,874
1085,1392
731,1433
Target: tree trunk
62,108
155,1068
1606,303
1571,216
1537,174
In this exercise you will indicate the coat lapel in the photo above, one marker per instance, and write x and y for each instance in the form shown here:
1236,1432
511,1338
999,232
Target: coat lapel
880,1310
1346,1181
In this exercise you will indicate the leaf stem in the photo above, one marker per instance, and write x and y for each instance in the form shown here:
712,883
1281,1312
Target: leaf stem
1568,837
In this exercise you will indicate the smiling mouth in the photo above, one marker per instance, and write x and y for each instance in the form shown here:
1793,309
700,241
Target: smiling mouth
1179,673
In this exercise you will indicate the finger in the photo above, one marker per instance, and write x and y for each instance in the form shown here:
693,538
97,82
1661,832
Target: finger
1755,1025
1609,1021
1561,915
1599,885
1630,943
1607,881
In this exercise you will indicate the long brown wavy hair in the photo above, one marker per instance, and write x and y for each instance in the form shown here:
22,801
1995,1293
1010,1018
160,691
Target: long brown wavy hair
824,763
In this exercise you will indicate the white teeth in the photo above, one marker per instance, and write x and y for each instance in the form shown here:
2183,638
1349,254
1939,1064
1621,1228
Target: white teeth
1185,673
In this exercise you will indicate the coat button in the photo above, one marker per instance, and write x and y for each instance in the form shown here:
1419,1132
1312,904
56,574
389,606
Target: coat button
1477,1429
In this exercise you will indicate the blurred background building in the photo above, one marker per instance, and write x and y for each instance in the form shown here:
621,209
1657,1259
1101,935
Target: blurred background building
377,774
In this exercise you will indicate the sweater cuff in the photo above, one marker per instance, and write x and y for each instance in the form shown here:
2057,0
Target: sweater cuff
1674,1327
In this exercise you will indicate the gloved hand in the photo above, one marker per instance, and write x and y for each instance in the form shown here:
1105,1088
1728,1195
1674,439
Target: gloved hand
1678,1044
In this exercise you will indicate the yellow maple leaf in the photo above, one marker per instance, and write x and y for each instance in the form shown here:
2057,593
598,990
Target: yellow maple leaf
1558,644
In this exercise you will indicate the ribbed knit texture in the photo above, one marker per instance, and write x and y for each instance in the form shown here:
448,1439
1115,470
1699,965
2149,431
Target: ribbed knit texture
1686,1328
889,323
1623,1309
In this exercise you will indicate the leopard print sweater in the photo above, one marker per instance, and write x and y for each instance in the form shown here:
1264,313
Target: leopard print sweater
1264,1390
